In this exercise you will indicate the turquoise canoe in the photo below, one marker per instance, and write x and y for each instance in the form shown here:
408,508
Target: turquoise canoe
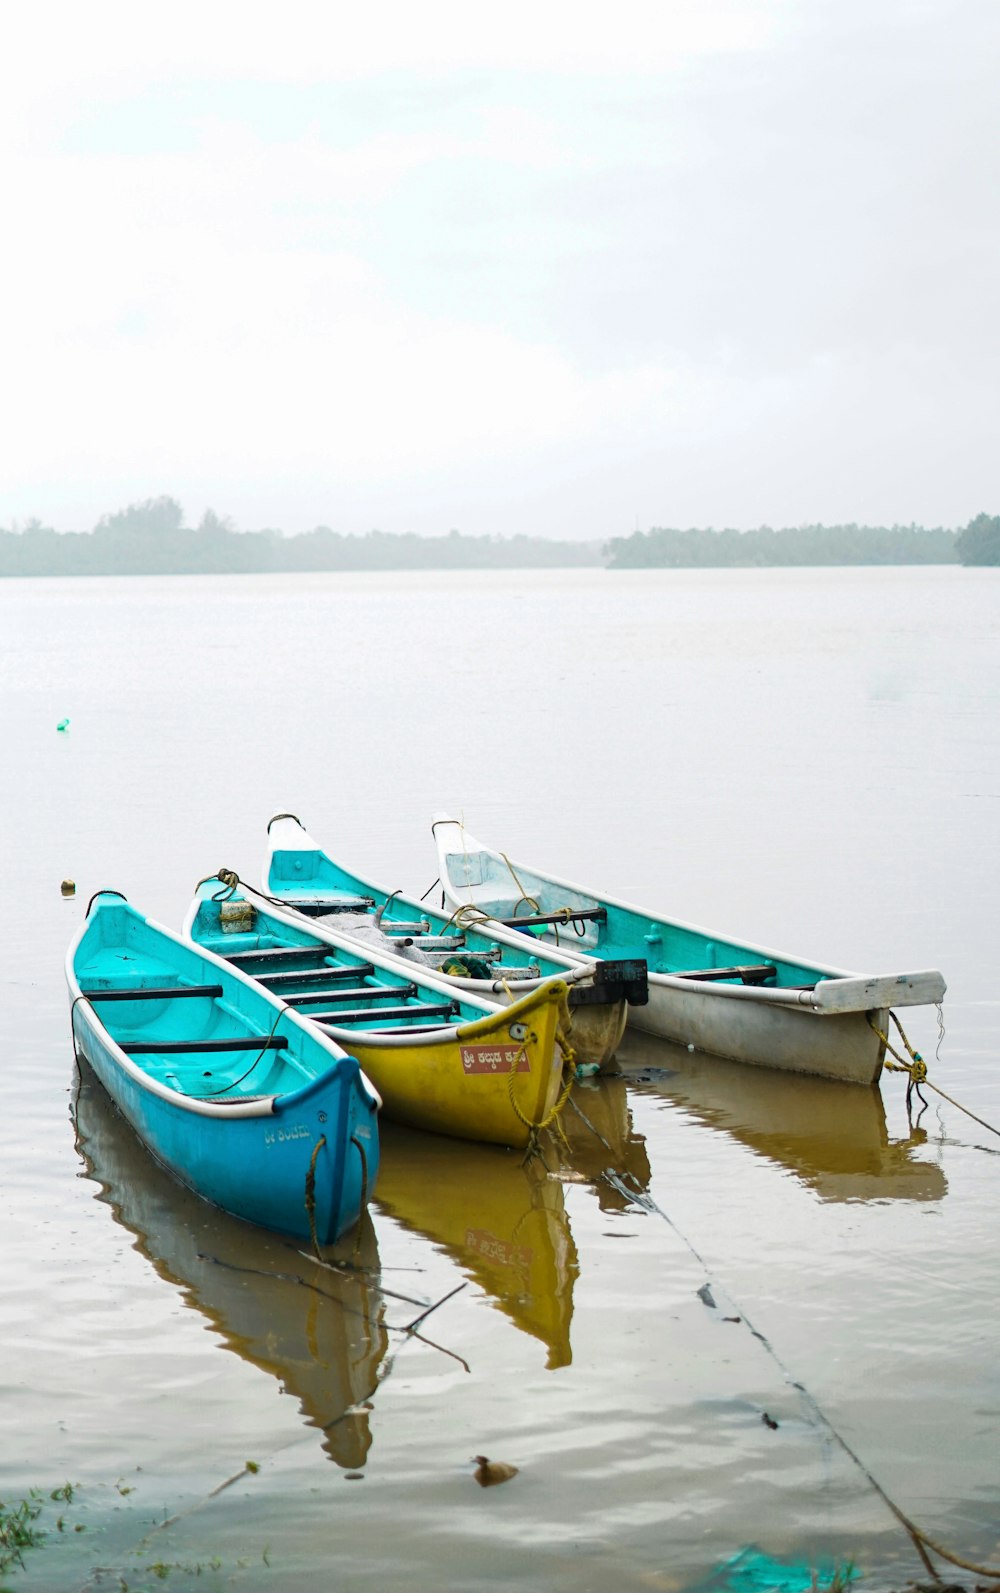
493,963
242,1101
710,992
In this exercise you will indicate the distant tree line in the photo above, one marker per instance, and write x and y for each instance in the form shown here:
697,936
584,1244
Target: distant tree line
150,538
978,543
797,545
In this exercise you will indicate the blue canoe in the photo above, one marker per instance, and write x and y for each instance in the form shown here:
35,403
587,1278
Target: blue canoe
241,1100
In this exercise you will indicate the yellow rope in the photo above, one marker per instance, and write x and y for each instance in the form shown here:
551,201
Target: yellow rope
466,916
916,1069
937,1548
524,897
569,1067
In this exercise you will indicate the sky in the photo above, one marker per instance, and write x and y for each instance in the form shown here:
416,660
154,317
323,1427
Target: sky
558,269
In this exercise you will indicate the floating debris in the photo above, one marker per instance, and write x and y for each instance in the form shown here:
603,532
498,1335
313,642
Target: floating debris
754,1571
68,887
769,1421
63,726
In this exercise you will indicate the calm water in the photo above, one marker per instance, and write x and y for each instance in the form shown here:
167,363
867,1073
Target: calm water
809,759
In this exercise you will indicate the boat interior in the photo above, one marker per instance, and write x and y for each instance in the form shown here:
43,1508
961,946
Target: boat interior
582,924
333,987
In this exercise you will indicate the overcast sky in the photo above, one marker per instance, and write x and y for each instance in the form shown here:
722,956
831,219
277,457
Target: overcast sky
556,268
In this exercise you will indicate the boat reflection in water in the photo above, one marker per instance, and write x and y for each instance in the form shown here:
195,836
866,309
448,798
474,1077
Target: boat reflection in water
320,1333
503,1223
599,1136
502,1218
831,1136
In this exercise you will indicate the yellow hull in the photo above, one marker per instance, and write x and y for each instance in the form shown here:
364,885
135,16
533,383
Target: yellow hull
504,1223
491,1080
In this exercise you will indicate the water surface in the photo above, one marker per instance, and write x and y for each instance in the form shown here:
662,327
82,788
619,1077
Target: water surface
808,759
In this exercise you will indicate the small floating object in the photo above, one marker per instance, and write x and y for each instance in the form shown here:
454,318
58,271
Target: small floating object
63,725
490,1472
68,887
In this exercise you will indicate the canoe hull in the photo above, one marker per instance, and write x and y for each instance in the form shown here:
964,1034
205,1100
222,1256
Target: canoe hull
785,1013
300,1160
253,1167
484,1084
844,1047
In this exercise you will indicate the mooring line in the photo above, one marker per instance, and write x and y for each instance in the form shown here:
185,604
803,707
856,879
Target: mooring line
920,1539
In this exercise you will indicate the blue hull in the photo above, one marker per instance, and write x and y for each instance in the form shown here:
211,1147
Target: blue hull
301,1156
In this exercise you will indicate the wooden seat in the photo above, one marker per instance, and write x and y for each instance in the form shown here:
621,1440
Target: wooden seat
352,993
149,993
572,915
270,1042
312,976
752,974
418,1009
282,955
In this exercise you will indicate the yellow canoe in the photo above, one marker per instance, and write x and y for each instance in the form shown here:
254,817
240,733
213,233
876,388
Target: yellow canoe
495,1079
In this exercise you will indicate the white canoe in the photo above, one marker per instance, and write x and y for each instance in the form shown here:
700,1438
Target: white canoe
706,991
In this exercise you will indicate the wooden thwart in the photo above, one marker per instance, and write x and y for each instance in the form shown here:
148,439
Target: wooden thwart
751,974
282,955
313,976
149,993
381,1014
353,993
575,915
271,1042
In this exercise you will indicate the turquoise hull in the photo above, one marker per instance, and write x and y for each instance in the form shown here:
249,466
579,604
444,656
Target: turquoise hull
236,1096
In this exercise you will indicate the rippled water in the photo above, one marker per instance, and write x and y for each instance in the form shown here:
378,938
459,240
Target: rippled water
805,759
